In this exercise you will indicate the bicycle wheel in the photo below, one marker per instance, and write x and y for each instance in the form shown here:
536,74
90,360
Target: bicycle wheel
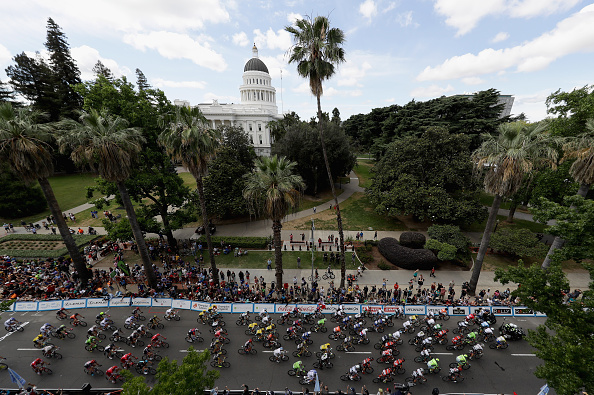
160,326
284,357
139,343
82,323
478,355
99,372
332,275
492,346
272,358
101,336
419,360
70,335
48,371
344,377
241,351
446,378
376,380
57,355
409,379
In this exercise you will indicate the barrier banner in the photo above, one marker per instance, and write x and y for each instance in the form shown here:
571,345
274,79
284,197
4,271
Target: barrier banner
371,308
49,305
285,309
74,304
258,307
242,308
119,302
181,304
199,306
474,309
502,311
223,307
434,309
330,309
97,303
523,311
307,308
25,306
393,309
408,310
352,308
141,302
459,310
165,302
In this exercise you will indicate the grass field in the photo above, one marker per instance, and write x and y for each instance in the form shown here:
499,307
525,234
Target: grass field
362,169
70,191
535,227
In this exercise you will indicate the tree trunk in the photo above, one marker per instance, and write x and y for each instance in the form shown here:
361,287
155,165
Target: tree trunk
278,253
512,211
559,242
338,217
75,255
168,232
138,237
213,265
478,263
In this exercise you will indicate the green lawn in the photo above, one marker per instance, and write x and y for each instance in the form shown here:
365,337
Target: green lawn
189,180
362,169
535,227
70,191
309,201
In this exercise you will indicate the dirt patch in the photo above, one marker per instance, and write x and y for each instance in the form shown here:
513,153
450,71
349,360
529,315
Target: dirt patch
305,223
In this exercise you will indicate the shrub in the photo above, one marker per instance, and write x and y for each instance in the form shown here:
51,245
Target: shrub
364,255
404,257
452,235
237,241
517,241
414,240
384,266
445,251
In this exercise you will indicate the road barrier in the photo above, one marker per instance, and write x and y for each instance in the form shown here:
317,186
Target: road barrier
184,304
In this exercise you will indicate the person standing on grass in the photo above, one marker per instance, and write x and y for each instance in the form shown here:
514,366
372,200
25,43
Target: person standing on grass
298,263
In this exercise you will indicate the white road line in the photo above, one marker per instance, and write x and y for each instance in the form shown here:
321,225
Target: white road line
358,352
189,351
10,333
523,355
28,349
442,353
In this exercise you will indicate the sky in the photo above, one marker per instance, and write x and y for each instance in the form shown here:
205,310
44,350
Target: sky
395,50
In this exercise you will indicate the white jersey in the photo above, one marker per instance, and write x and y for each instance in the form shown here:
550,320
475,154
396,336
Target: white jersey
129,320
278,352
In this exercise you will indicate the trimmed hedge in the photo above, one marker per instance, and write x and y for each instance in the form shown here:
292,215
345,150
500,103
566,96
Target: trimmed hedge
80,240
414,240
237,241
404,257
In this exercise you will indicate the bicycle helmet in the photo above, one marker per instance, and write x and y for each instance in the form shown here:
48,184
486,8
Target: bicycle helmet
149,345
155,316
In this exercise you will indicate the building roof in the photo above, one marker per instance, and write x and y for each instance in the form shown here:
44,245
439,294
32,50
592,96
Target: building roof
255,64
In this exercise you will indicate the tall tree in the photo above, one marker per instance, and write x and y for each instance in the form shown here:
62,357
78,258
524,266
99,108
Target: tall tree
505,159
188,140
101,70
141,81
273,189
6,93
581,149
317,49
24,146
65,71
109,146
32,78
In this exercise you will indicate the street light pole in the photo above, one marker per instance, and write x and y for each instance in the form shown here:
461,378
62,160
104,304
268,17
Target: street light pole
313,227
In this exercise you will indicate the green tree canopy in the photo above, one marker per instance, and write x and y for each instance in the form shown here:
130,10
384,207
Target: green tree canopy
452,235
520,242
429,177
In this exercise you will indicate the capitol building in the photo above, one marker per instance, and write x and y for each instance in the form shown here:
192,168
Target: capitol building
256,109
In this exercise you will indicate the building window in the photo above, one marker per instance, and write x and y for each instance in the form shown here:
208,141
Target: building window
260,137
250,127
251,139
259,127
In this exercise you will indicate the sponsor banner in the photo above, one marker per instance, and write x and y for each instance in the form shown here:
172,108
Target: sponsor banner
223,307
97,303
474,309
539,314
524,311
181,304
199,306
242,307
502,311
352,308
25,306
141,301
258,307
371,308
285,309
119,302
392,309
459,310
434,309
306,308
411,310
330,309
74,304
161,302
49,305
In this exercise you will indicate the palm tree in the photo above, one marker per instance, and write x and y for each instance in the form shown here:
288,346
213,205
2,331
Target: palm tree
110,147
506,158
582,170
24,145
272,189
316,50
189,140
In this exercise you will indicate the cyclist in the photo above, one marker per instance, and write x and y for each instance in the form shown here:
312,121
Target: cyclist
363,333
477,349
278,353
398,363
62,313
109,349
321,322
38,365
425,354
353,372
457,340
430,322
194,333
136,312
461,360
427,342
247,347
105,323
336,331
419,337
305,336
170,313
9,323
154,321
433,365
488,331
442,334
347,342
148,351
469,318
264,313
365,363
385,374
471,337
74,318
101,316
252,326
396,335
39,339
417,373
386,354
130,321
156,339
46,328
112,373
48,350
91,366
132,339
299,369
270,328
92,342
265,319
127,361
443,312
454,374
406,324
500,341
92,331
219,333
311,375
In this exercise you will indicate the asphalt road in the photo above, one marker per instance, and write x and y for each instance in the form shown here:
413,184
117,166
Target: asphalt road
499,371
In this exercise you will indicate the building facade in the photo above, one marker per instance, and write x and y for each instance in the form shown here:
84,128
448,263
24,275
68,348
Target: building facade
256,108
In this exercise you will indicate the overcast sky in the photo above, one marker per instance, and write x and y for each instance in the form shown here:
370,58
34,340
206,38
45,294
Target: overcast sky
396,51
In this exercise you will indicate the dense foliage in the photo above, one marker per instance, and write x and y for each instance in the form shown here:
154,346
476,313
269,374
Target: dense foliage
238,241
451,235
519,242
17,199
429,177
404,257
412,239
